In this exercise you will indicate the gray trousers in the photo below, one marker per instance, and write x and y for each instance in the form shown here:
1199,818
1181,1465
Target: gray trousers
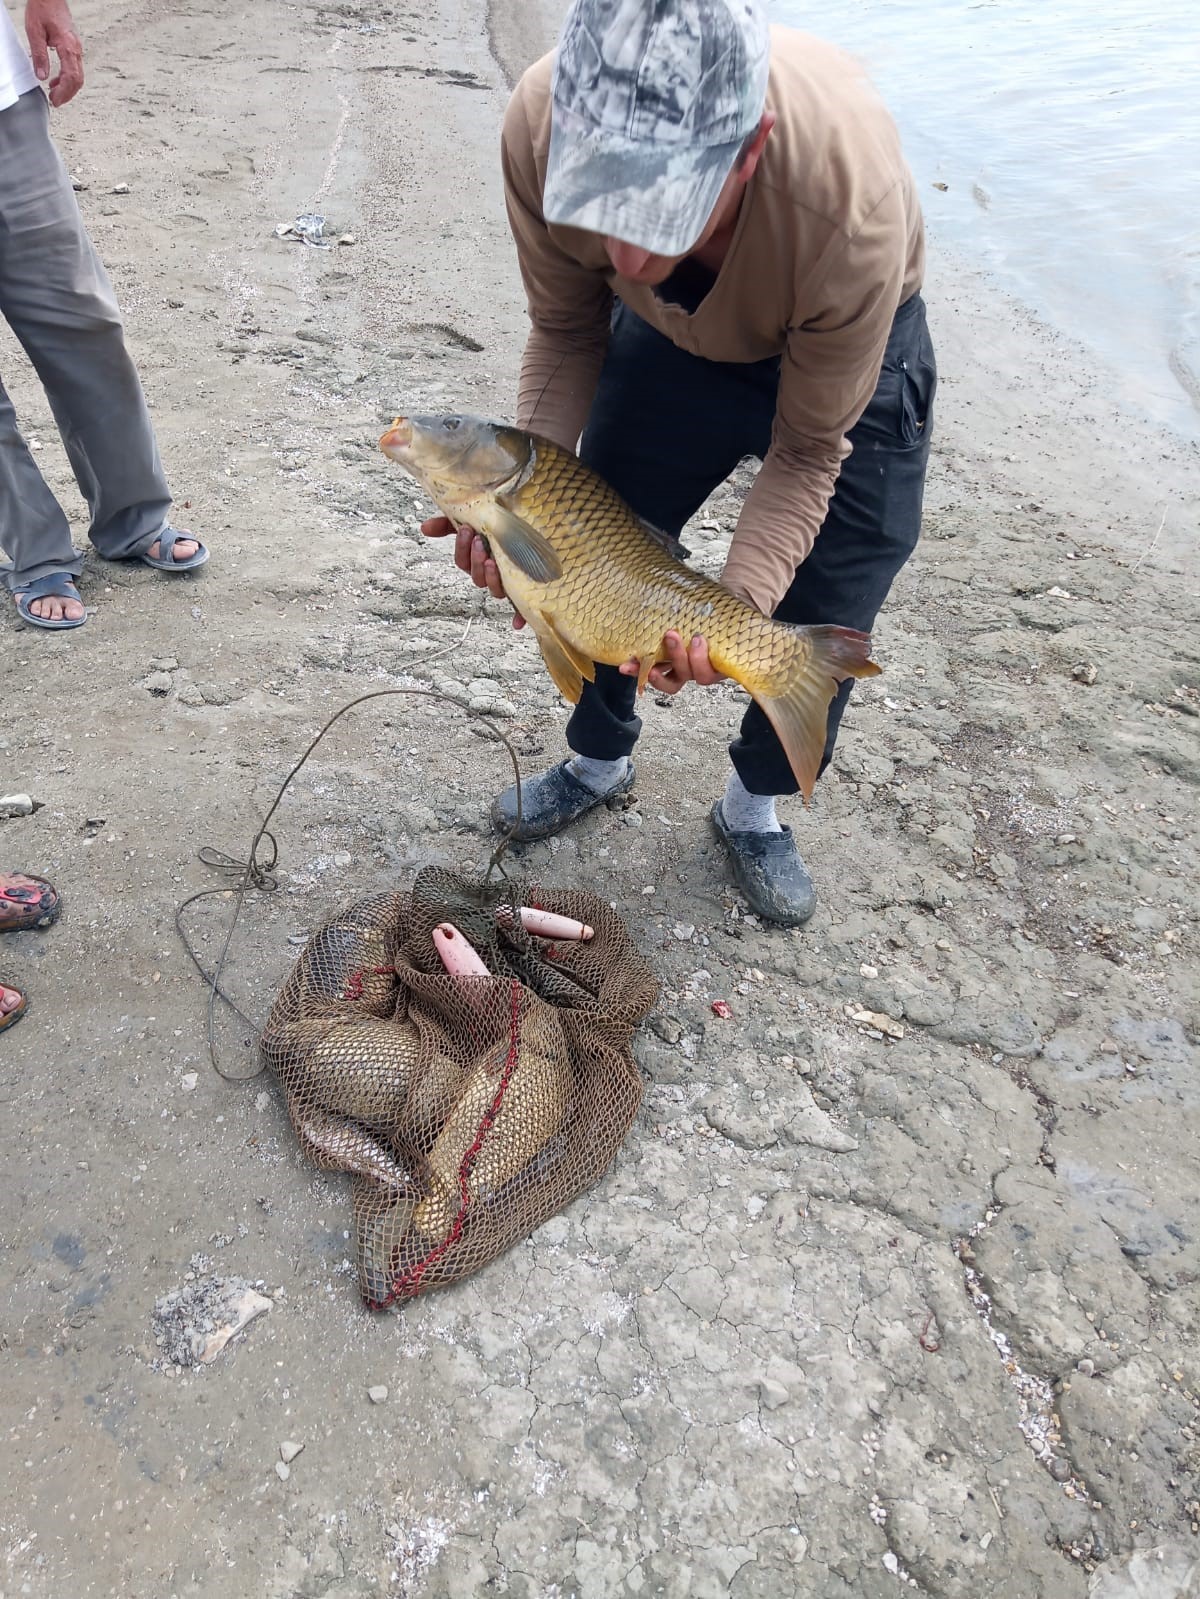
56,297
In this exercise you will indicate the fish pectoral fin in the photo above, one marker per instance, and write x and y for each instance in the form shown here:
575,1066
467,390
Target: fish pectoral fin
568,679
524,546
582,663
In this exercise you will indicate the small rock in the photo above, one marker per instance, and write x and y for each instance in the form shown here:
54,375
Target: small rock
158,683
667,1028
1086,1368
17,805
288,1451
876,1021
216,694
684,931
377,1394
1084,671
773,1394
188,1081
282,1471
167,664
1060,1469
80,185
119,188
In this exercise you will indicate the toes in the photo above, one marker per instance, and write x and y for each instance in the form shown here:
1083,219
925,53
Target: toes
9,1000
183,549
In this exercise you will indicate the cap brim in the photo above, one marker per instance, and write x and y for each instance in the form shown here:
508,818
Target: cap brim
656,199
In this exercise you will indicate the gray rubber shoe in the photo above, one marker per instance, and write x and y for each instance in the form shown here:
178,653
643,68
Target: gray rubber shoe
550,802
769,872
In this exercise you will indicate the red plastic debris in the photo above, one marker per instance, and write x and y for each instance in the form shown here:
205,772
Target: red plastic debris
720,1008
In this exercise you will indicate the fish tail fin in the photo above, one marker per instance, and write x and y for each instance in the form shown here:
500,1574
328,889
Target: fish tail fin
799,712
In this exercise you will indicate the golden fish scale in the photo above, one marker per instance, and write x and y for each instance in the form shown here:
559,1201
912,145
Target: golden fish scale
621,591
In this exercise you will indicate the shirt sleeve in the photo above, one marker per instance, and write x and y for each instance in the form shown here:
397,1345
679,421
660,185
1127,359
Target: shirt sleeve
828,373
569,305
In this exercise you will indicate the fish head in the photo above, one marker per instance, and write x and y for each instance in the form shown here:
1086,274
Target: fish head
456,458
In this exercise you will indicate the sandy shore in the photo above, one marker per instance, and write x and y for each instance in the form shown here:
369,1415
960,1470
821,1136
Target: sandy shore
850,1315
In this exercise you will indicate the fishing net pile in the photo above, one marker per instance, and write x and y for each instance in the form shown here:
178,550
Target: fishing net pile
468,1108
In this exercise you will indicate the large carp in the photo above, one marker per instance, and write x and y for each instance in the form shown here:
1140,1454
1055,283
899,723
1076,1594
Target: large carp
597,584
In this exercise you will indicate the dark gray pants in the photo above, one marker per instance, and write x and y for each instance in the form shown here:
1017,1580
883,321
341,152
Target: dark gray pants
667,427
56,297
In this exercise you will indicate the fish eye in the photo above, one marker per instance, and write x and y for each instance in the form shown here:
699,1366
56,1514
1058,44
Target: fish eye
452,424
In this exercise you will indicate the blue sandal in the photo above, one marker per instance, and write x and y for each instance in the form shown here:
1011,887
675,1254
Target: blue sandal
55,585
167,540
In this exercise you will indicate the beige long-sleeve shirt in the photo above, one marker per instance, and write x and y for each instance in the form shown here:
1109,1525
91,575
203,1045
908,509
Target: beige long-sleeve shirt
829,242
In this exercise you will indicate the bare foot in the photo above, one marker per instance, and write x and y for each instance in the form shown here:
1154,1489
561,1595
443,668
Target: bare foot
9,1000
183,551
56,608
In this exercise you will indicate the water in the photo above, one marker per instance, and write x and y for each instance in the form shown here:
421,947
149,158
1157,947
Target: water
1068,135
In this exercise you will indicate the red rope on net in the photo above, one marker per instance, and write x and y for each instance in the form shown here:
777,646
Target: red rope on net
412,1276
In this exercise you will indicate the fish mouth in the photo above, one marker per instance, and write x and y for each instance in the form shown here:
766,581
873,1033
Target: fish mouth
398,437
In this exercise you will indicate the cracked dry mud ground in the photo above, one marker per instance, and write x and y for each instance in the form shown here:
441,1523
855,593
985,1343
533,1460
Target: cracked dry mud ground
850,1316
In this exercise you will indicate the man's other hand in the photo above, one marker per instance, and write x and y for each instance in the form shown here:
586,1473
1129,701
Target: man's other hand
686,663
48,26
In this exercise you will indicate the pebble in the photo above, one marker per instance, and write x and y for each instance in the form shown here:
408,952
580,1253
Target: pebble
773,1394
1060,1469
167,664
684,931
377,1394
1086,1368
120,188
281,1471
158,683
16,805
288,1451
667,1028
188,1081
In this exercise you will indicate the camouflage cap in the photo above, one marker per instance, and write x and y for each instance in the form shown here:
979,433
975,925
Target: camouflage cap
651,102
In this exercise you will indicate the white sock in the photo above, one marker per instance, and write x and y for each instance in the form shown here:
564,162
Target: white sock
599,776
745,812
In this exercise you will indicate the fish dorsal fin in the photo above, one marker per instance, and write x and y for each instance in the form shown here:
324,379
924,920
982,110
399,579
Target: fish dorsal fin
668,541
524,546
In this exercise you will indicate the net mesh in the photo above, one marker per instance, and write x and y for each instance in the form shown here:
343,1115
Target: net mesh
467,1109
